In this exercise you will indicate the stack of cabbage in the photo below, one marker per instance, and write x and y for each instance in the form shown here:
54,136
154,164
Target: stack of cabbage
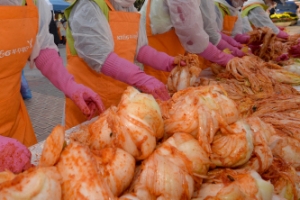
193,146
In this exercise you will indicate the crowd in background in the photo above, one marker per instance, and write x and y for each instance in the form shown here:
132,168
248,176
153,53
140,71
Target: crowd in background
57,27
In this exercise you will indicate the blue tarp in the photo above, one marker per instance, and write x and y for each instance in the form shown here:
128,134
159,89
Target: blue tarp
59,5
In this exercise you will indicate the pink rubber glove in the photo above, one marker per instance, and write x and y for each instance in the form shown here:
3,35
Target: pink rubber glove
14,156
254,48
234,51
157,60
231,41
283,35
242,38
127,72
51,66
213,54
295,50
283,57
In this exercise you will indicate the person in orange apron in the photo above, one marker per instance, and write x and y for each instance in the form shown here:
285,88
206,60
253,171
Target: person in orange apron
106,47
255,12
229,19
217,38
176,27
24,36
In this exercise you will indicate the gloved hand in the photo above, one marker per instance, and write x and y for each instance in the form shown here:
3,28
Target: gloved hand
283,57
14,156
242,38
157,60
231,41
254,48
150,85
51,66
283,35
125,71
213,54
234,51
295,50
86,99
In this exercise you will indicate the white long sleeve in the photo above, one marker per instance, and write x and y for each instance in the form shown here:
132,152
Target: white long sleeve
92,35
246,25
44,39
259,18
184,16
209,17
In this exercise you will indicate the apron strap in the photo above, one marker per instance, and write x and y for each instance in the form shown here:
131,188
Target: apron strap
109,5
226,12
148,27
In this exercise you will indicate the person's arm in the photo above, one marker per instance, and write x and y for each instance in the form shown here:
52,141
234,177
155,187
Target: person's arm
238,26
91,30
238,31
295,50
191,33
44,38
259,18
47,60
127,72
218,39
92,35
246,25
219,18
225,41
209,17
94,43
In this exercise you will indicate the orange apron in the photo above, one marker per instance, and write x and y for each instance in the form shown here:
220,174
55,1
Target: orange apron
19,27
167,42
228,24
228,21
124,27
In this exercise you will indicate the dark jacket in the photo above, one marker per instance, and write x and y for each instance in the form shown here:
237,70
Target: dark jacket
53,30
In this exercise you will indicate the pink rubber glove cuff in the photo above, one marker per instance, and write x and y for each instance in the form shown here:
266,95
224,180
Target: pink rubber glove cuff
234,51
254,48
231,41
125,71
295,50
14,156
51,66
242,38
283,35
283,57
213,54
158,60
